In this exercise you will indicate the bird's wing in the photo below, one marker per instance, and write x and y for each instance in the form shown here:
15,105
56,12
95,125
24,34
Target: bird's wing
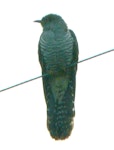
75,47
40,57
46,79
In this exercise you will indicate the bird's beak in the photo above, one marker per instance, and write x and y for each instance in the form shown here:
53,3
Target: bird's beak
39,21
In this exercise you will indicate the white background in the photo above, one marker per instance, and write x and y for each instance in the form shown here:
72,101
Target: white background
23,108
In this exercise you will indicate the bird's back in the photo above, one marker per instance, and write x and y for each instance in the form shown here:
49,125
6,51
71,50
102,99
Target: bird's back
56,50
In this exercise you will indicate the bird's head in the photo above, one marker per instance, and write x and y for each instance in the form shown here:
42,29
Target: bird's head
52,21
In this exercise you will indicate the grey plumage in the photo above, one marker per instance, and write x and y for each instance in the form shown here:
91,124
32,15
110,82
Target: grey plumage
58,49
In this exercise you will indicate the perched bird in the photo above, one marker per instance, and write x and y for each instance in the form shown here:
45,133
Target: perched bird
58,50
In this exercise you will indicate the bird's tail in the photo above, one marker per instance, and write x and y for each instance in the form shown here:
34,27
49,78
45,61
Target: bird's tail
60,120
60,94
60,105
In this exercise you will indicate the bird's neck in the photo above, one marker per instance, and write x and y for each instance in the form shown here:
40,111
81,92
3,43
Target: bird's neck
56,27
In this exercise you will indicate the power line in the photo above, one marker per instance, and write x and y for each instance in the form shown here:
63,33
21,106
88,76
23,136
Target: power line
93,57
23,82
47,74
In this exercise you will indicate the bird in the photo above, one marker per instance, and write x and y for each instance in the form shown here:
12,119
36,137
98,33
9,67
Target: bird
57,51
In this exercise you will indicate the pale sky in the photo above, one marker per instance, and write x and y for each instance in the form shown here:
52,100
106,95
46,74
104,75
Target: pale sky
23,108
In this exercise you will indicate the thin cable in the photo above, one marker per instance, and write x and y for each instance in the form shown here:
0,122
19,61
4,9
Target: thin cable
23,82
96,55
92,57
47,74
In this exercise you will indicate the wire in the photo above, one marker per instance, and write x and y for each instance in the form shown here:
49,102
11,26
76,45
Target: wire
23,82
47,74
93,57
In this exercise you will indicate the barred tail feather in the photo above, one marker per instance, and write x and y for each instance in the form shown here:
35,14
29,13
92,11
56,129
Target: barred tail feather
60,94
60,123
60,113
